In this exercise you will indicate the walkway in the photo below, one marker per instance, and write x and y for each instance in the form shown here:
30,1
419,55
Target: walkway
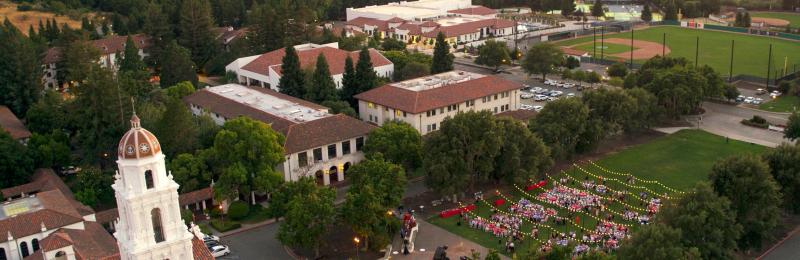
789,248
430,236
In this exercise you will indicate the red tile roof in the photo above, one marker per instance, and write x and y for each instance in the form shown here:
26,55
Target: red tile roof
52,55
324,131
93,242
11,124
420,101
195,196
429,24
412,29
200,251
396,20
106,46
361,21
475,10
308,59
469,27
56,211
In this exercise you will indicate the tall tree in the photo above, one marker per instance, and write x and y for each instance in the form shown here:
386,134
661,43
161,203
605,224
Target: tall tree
792,131
366,78
47,114
647,15
157,27
50,150
541,59
189,171
746,182
670,11
524,158
130,60
195,30
308,217
646,111
567,7
322,87
80,58
176,130
268,28
597,9
98,114
177,66
250,148
657,242
462,152
377,186
399,143
493,54
442,59
20,70
292,80
709,219
94,187
349,84
786,171
561,124
15,162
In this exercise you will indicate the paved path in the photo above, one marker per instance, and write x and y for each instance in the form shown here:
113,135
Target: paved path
431,236
786,249
725,120
256,244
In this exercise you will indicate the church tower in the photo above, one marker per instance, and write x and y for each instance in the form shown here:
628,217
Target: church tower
149,224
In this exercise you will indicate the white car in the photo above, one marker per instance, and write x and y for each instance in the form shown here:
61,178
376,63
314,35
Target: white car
570,95
207,238
775,94
525,95
549,82
537,108
541,90
536,89
220,250
556,93
540,98
568,85
526,107
552,98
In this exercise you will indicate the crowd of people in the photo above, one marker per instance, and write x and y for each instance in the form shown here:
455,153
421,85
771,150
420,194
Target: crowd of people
571,199
534,212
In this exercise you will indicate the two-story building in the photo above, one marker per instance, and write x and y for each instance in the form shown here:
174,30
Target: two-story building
108,47
264,70
11,125
425,102
317,142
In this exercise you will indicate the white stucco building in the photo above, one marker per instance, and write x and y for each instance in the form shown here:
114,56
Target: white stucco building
425,102
317,143
264,70
408,10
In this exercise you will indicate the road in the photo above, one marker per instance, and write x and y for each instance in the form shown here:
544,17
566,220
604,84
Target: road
725,120
788,249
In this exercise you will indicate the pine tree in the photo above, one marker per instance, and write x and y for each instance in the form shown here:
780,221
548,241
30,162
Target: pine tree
746,21
267,29
157,27
322,87
130,60
647,15
597,9
567,7
20,71
292,80
442,59
177,66
195,30
366,78
670,11
349,84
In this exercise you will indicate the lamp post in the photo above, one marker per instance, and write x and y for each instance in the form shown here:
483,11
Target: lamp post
355,239
222,214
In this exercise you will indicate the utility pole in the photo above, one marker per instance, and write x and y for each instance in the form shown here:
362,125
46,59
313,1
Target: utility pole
769,63
730,71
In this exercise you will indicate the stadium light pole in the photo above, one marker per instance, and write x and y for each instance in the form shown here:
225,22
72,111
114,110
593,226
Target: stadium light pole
632,46
769,63
663,45
696,51
730,70
602,43
594,43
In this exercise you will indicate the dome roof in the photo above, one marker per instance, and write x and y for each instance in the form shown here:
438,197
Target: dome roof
138,142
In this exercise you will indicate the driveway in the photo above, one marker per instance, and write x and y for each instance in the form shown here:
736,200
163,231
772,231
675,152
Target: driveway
787,249
430,237
725,120
256,244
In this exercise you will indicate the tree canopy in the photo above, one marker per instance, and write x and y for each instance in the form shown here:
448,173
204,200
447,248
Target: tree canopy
442,59
785,170
542,59
309,215
177,66
322,87
792,131
493,54
398,142
657,242
292,80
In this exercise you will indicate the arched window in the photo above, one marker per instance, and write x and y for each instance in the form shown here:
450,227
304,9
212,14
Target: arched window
148,179
35,244
158,231
60,255
23,247
2,253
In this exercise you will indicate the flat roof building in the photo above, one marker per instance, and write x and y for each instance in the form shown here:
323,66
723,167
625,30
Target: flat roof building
425,102
317,142
413,10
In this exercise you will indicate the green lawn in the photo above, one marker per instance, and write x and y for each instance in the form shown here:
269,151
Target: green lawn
794,19
610,48
750,53
678,160
782,104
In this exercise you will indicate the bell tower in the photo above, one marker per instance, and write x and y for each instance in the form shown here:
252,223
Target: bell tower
149,224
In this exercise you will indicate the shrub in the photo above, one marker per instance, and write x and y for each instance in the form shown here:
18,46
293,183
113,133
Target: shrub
187,216
24,7
238,210
756,121
223,226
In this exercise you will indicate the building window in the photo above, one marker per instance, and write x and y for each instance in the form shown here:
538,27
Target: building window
332,151
431,113
317,154
345,147
302,159
2,253
398,113
23,247
148,179
404,113
441,110
158,230
470,103
35,244
370,105
495,110
495,96
359,143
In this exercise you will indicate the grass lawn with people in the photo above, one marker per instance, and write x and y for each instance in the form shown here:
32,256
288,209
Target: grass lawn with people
610,48
782,104
794,19
750,52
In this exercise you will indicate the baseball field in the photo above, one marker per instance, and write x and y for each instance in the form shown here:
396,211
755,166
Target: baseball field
793,19
750,52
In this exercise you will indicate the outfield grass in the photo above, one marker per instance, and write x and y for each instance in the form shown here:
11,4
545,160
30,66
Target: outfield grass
610,48
794,19
782,104
750,54
678,160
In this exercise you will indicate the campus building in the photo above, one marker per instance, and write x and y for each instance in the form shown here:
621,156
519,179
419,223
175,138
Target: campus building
418,23
108,47
13,126
425,102
317,143
264,70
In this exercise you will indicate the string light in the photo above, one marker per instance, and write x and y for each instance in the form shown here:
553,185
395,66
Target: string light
621,182
612,198
636,178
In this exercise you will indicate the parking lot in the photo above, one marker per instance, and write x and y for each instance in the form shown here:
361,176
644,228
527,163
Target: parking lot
544,95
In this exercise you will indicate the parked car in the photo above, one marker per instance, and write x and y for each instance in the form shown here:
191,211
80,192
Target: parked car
211,243
210,238
568,85
556,93
740,99
70,170
570,95
537,108
525,95
535,89
775,94
219,251
552,98
540,98
761,91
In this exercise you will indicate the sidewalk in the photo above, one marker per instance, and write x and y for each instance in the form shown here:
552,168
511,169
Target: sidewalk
430,237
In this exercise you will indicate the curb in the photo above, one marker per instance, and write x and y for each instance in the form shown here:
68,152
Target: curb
248,228
765,111
779,243
291,253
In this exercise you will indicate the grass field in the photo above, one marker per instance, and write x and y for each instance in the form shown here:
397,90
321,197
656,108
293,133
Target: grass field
782,104
677,161
750,54
794,19
23,20
610,48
